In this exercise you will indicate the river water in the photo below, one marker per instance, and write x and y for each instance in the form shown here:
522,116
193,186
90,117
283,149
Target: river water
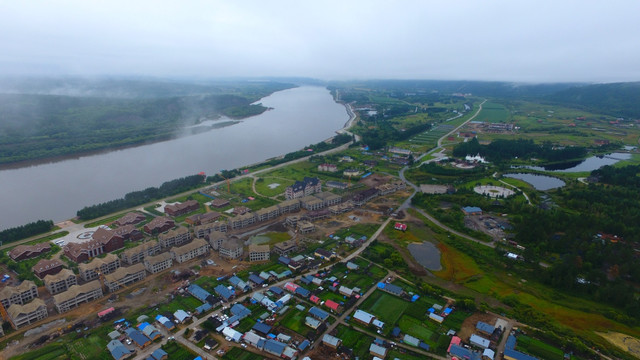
300,116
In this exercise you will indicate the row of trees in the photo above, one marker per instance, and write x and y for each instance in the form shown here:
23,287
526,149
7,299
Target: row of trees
504,150
25,231
136,198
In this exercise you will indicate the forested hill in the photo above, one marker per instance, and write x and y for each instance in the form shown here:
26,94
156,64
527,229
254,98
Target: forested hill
617,99
43,126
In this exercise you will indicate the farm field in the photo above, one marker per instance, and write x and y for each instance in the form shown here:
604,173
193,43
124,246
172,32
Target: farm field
387,308
239,354
355,340
493,113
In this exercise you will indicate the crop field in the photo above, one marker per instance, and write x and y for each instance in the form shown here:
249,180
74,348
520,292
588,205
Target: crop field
294,320
414,327
355,340
237,353
50,352
386,307
624,342
493,113
90,348
430,137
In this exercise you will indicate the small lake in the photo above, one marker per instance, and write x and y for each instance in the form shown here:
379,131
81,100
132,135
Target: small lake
588,164
539,182
426,254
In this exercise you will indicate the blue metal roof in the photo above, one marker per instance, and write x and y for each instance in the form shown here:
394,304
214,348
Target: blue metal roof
117,349
511,342
396,290
200,293
459,351
158,354
395,332
423,345
518,355
274,347
285,260
303,345
262,328
223,291
204,307
240,311
234,280
256,279
482,326
471,209
138,338
303,292
317,313
276,290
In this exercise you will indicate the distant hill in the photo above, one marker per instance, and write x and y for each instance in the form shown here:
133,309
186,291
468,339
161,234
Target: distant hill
617,99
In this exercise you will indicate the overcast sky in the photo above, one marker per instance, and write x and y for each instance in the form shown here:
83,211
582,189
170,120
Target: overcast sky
532,40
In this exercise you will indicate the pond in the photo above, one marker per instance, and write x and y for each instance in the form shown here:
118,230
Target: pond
426,254
588,164
539,182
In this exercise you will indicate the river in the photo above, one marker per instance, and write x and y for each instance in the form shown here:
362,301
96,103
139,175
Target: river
300,116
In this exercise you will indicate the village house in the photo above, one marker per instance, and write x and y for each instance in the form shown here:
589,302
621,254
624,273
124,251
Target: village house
20,294
158,225
131,218
176,237
259,252
331,341
24,252
124,276
60,282
351,172
181,208
46,267
158,263
231,248
105,265
76,295
303,188
190,251
363,317
337,185
472,210
137,254
21,315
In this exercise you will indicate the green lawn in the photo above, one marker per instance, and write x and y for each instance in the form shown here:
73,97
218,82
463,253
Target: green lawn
294,320
414,327
386,307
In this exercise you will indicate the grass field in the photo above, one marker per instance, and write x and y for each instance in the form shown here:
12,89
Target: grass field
539,348
493,113
355,340
50,352
187,303
294,320
262,185
386,307
414,327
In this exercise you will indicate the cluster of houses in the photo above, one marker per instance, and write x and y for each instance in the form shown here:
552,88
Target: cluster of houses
483,343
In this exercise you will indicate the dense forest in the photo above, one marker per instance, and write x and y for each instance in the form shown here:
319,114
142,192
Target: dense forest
595,234
25,231
40,126
136,198
619,99
504,150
